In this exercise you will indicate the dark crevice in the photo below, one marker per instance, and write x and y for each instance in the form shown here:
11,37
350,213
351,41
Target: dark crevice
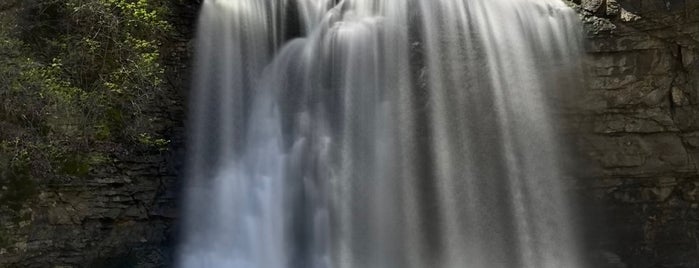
679,68
292,26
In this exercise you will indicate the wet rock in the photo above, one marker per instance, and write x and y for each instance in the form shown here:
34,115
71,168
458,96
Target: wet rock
689,57
651,120
592,5
613,9
679,98
627,16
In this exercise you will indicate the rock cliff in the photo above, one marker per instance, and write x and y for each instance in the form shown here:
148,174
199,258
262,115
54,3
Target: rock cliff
640,124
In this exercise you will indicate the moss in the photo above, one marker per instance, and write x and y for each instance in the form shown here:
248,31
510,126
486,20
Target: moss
80,165
149,141
76,165
4,239
19,191
15,179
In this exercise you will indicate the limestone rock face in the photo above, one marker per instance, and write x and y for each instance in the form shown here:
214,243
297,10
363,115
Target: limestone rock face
640,123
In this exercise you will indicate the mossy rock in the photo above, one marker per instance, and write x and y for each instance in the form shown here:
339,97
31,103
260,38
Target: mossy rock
16,184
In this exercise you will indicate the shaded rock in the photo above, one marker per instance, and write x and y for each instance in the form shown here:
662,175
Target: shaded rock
592,5
613,9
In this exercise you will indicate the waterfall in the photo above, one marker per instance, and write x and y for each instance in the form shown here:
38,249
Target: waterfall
379,133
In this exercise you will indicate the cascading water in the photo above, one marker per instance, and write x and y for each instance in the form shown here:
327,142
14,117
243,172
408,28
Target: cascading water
379,133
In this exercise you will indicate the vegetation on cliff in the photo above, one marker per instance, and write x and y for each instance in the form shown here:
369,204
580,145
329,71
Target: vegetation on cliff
77,80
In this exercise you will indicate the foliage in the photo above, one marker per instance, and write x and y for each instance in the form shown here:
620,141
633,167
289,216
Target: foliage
78,81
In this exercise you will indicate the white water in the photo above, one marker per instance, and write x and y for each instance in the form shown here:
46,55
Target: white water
379,133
